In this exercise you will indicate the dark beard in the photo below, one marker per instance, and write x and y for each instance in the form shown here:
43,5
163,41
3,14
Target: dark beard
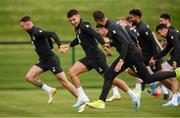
134,23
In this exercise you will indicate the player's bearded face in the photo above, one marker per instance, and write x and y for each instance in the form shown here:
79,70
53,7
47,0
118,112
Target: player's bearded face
75,20
24,26
133,19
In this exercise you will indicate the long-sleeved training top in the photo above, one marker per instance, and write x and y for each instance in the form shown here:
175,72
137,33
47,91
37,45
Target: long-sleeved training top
41,41
120,38
86,36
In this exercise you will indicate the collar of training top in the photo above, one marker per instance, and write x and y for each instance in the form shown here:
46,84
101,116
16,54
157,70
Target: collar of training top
80,23
138,24
30,31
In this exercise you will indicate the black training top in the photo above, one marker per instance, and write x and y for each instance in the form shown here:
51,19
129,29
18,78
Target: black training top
132,33
173,43
146,40
41,41
86,36
120,38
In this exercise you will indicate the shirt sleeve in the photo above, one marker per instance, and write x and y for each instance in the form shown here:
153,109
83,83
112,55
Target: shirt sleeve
41,33
89,30
123,41
176,44
163,52
148,36
74,42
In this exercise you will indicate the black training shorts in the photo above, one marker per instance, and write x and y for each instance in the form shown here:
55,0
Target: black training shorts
52,63
97,63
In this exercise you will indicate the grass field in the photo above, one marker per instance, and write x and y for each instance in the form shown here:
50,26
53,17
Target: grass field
20,99
33,103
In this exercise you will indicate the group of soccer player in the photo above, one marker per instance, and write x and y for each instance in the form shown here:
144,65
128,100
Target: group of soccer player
139,54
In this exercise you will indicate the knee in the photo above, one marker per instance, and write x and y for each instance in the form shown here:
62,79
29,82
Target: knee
29,78
71,73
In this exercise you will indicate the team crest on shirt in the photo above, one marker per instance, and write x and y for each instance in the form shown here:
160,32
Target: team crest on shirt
172,37
114,31
40,31
33,37
87,26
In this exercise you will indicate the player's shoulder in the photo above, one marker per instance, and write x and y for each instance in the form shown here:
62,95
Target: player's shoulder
84,24
37,30
143,26
114,26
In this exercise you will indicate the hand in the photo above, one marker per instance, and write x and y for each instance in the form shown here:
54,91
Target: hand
174,65
119,65
105,46
64,48
152,61
108,52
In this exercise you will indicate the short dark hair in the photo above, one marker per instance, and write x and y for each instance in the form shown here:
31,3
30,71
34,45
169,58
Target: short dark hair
165,16
135,12
72,12
160,26
98,15
100,26
25,19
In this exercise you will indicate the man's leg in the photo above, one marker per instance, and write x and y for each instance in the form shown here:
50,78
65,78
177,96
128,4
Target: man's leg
109,77
116,95
74,72
64,81
31,77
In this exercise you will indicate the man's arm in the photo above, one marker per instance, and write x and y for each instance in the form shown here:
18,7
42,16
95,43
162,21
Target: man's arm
123,41
41,33
176,44
163,52
89,30
148,36
74,42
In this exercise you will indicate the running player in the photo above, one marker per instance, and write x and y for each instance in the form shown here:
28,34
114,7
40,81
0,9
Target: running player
94,59
130,56
41,42
173,44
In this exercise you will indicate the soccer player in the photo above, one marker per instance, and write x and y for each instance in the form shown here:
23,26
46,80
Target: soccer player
41,42
130,56
132,31
95,59
149,47
166,19
173,44
146,42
